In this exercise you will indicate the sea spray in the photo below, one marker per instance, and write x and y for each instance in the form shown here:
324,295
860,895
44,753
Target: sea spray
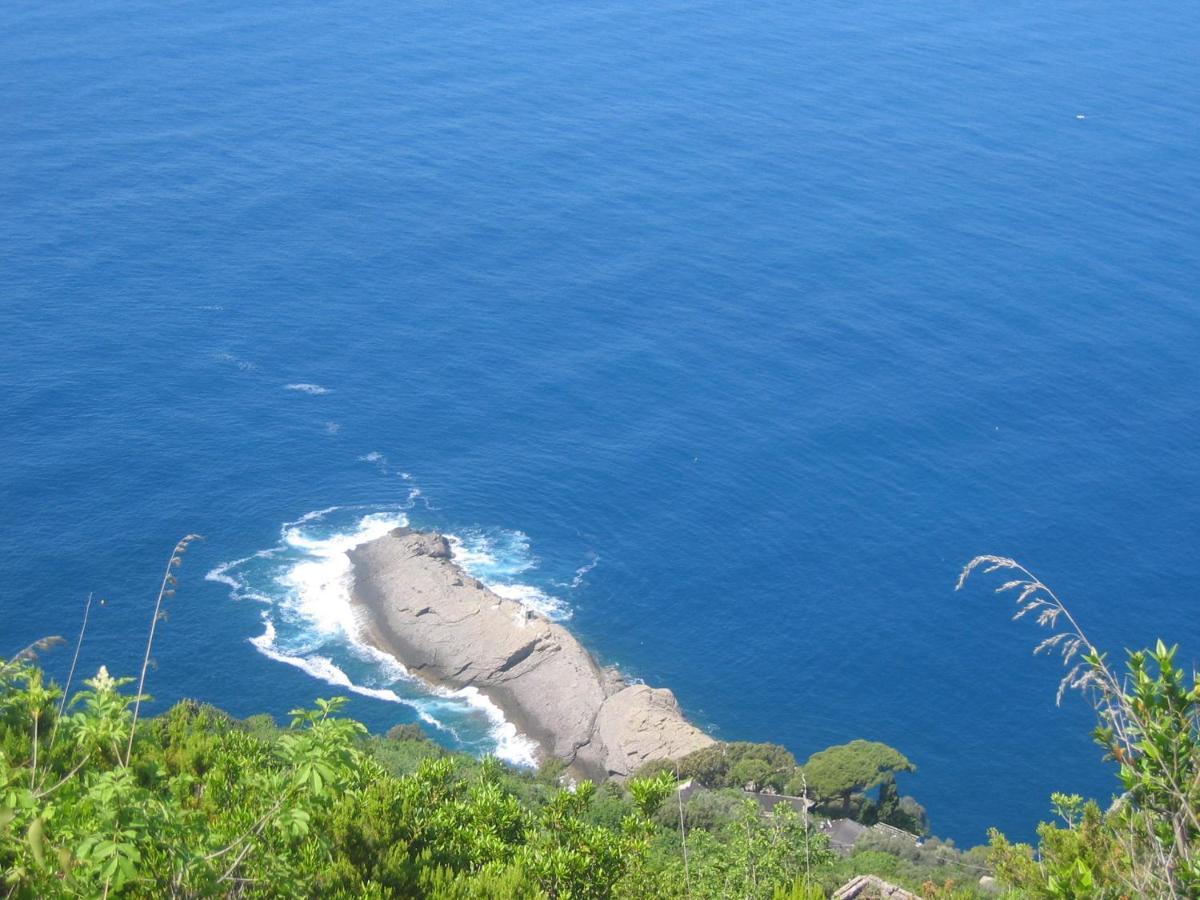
311,624
498,557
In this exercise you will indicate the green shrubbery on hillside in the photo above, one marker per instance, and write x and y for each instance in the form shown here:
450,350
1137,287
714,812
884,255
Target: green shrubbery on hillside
212,806
96,802
208,806
1147,844
837,780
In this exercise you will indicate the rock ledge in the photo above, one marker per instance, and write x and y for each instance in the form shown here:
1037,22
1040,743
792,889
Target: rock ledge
446,627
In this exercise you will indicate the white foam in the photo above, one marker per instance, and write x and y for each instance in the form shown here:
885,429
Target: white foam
222,573
479,554
533,598
319,667
582,571
315,590
319,587
242,364
511,745
498,566
312,516
376,459
306,387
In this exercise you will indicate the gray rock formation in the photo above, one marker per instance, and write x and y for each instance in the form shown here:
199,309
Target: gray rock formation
449,629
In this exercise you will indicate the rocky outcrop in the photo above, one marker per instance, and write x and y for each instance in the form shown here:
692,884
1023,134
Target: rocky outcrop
449,629
871,887
639,724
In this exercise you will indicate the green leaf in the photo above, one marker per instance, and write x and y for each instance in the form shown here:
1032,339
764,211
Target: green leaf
36,836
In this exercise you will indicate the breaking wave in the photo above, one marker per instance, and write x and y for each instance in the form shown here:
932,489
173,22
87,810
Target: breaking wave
305,387
499,558
310,623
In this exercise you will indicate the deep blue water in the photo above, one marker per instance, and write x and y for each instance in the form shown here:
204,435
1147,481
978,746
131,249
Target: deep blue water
734,329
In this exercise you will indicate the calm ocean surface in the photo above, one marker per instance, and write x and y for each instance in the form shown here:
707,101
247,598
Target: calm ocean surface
727,332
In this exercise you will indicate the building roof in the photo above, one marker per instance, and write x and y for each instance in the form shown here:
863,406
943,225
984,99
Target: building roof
766,801
869,887
842,833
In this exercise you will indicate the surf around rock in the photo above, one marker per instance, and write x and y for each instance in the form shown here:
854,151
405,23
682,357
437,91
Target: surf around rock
449,629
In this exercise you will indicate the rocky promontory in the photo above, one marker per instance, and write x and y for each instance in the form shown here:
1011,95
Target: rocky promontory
451,630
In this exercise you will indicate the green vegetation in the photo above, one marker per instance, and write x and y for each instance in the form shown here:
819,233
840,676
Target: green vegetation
209,806
839,772
1147,844
206,805
98,801
935,868
735,764
836,779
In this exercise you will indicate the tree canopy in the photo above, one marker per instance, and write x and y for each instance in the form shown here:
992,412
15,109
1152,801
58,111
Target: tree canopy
839,771
735,764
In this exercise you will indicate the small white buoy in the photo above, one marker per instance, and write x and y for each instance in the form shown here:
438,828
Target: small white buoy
1080,116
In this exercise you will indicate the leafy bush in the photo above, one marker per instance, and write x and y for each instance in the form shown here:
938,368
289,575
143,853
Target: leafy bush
704,810
205,806
735,764
1148,843
408,731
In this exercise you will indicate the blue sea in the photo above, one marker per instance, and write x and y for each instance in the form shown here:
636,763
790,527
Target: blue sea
725,333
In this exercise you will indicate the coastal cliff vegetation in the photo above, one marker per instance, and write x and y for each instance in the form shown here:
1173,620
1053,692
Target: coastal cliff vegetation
97,801
207,805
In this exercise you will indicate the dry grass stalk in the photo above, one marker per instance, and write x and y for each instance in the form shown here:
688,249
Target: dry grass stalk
165,590
1153,862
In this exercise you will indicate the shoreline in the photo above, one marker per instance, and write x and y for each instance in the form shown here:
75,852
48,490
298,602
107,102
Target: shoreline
385,641
451,631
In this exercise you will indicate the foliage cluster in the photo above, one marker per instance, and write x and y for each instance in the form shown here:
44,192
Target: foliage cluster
733,764
837,779
204,806
932,868
209,806
1148,842
195,804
